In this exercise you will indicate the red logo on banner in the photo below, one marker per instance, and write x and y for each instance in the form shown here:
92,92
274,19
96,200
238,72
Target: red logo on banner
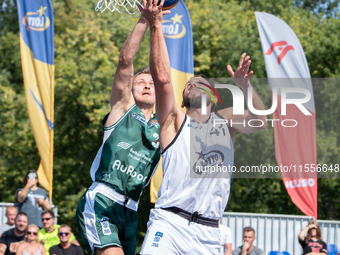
283,53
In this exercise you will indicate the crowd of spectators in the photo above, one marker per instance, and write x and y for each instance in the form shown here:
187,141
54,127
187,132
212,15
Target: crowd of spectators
32,230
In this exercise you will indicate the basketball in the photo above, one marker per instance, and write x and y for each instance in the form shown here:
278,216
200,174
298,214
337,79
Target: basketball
168,4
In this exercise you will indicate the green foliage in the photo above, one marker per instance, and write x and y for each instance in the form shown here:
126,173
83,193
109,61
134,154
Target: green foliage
8,16
87,46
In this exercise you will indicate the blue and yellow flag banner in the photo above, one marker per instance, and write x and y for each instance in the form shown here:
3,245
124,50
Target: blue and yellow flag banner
177,31
37,57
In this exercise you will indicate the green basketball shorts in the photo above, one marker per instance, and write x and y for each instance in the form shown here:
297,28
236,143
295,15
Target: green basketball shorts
103,222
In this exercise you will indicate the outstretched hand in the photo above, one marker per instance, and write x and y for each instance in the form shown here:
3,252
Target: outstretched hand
152,12
241,76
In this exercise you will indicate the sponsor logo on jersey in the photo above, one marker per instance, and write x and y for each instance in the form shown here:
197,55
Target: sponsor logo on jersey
213,158
195,127
141,119
154,123
105,226
156,143
104,176
159,234
124,145
157,239
139,156
129,170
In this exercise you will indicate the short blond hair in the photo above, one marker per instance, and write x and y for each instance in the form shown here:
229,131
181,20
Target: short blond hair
65,226
32,226
144,70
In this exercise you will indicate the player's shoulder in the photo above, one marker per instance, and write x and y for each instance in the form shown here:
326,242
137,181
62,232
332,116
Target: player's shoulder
225,113
114,117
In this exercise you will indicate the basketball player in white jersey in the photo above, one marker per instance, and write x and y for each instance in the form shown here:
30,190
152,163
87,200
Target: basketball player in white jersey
191,200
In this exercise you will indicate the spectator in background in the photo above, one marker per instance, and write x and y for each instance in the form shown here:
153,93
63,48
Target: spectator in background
11,212
248,248
48,235
312,243
226,239
31,245
10,239
65,247
32,198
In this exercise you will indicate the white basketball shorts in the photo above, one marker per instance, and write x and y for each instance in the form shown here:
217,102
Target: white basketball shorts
171,234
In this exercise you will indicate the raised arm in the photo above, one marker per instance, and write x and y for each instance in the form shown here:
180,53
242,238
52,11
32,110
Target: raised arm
23,193
169,115
121,95
241,78
303,233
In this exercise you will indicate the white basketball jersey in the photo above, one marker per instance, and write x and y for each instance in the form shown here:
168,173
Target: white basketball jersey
197,168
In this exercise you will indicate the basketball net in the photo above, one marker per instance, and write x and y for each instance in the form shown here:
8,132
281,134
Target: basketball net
130,6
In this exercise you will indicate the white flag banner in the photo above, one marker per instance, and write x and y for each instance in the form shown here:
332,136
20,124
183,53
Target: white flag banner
290,84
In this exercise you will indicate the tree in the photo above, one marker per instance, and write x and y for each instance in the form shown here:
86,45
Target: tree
87,46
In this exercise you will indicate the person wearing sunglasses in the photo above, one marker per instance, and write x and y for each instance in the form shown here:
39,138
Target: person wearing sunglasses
48,236
30,245
10,239
310,239
65,247
33,199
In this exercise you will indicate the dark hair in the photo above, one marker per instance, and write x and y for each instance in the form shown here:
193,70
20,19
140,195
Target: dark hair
248,229
65,226
21,213
144,70
48,211
198,76
26,176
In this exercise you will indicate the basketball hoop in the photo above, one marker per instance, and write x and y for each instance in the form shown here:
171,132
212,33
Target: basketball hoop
130,6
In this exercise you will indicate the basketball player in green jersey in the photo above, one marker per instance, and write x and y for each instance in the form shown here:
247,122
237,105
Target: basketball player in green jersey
107,212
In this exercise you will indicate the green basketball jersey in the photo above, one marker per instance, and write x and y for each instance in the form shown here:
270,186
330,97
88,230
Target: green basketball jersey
129,154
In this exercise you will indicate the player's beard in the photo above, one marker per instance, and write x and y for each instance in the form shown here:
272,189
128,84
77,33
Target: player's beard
194,103
145,102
